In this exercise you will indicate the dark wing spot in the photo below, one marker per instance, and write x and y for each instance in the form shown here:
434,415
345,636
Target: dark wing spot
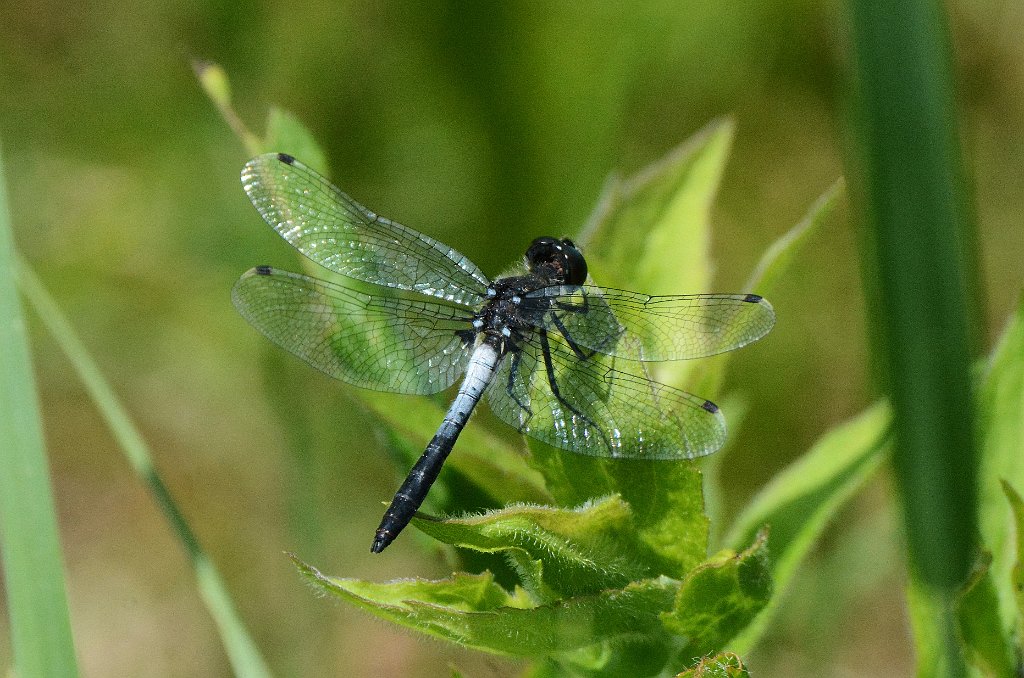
286,159
753,298
263,270
710,406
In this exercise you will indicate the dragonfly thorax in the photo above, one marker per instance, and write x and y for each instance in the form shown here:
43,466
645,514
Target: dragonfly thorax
509,316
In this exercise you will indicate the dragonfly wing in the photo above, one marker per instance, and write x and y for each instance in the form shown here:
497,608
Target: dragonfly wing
378,342
338,233
651,328
597,410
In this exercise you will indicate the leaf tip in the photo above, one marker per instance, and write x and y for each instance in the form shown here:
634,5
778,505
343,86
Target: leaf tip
214,81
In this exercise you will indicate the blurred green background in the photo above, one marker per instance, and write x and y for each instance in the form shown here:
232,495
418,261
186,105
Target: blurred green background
483,125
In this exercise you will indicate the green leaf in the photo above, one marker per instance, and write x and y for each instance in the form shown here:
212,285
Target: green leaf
1001,418
653,229
626,658
798,503
285,134
571,479
652,232
774,264
41,638
666,499
776,260
668,509
725,665
986,644
557,552
1017,580
474,612
461,593
721,597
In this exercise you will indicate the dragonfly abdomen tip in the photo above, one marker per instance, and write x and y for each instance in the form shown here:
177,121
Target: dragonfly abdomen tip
381,541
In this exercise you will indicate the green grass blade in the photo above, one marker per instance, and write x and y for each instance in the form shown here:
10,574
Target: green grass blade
909,178
242,652
912,196
33,570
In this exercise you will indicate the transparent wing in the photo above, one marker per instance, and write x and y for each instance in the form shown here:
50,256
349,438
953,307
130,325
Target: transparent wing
338,233
376,342
643,327
597,410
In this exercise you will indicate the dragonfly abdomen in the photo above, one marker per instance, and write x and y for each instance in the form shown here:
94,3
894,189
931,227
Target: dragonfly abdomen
479,373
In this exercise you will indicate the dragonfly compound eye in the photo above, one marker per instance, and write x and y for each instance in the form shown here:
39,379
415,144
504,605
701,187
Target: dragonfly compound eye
560,255
575,264
542,250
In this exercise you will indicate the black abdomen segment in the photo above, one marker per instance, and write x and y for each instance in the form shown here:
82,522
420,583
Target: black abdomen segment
413,491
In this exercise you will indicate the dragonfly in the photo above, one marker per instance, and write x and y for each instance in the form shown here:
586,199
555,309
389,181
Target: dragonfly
558,358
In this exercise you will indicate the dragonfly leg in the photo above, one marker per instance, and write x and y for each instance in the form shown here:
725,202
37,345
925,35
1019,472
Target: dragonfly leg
583,308
467,337
580,353
575,308
513,372
553,385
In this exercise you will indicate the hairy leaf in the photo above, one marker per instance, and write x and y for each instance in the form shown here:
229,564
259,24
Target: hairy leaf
665,497
725,665
986,643
557,552
720,598
475,612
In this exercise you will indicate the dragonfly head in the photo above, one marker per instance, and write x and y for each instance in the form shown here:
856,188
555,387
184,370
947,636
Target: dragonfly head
559,259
